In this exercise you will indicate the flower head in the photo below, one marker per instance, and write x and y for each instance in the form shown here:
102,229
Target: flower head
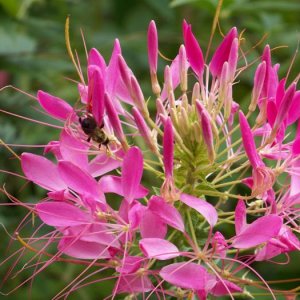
156,218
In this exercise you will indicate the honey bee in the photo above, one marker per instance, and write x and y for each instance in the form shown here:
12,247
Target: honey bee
94,132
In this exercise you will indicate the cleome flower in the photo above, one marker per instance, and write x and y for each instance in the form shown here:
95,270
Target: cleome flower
142,199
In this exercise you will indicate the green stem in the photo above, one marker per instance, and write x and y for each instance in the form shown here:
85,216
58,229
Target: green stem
192,229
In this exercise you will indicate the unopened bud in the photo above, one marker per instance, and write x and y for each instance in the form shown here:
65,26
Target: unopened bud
233,58
184,122
138,96
152,47
183,68
259,79
228,102
160,107
115,121
144,130
125,72
206,127
168,79
196,93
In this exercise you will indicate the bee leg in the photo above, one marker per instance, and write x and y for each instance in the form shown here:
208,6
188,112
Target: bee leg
89,139
80,120
102,125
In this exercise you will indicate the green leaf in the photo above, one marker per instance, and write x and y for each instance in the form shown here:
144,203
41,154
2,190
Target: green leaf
13,42
175,3
17,8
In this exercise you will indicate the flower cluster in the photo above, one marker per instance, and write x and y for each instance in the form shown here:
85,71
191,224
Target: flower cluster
168,236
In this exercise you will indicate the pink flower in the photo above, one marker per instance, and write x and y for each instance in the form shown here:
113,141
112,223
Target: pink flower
152,47
251,235
193,50
227,51
263,177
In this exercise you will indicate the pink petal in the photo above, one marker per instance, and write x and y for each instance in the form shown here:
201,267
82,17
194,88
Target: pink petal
271,112
132,171
42,172
83,92
268,251
114,118
248,142
137,94
148,230
240,220
54,106
201,206
152,47
96,91
206,127
113,184
158,248
53,147
73,150
61,214
83,250
175,74
96,233
167,213
294,111
271,78
233,58
222,53
168,146
219,244
295,175
285,105
144,130
221,290
125,72
112,71
280,91
134,284
193,51
130,265
135,214
258,232
95,58
79,180
103,163
259,78
266,57
185,275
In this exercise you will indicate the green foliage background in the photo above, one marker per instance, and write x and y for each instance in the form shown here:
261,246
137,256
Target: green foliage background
33,56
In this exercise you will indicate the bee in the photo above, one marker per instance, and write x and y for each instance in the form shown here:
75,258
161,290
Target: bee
94,132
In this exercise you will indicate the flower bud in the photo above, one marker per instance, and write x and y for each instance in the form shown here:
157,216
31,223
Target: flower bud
152,56
144,130
95,58
115,121
168,146
259,78
125,72
138,96
196,93
193,51
207,133
152,47
233,58
224,52
183,68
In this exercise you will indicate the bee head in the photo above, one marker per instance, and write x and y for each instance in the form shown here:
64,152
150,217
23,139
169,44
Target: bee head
88,125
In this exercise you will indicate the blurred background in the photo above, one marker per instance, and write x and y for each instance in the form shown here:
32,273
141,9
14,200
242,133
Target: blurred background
33,56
